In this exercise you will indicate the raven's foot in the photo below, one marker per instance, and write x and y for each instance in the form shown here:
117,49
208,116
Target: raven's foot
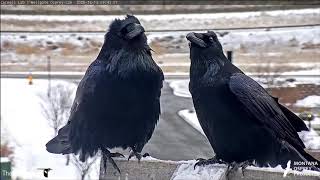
232,167
107,156
204,162
137,155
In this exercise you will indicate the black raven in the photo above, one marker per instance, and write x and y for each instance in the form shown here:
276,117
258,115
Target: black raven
117,102
241,120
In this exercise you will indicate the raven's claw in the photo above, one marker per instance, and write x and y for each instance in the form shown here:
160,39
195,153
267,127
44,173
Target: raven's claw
145,155
107,155
234,166
136,154
203,162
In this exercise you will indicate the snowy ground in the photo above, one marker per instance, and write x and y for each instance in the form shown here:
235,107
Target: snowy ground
160,22
74,50
28,131
186,171
248,41
310,101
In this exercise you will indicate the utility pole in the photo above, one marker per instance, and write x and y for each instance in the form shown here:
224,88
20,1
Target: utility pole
49,75
229,55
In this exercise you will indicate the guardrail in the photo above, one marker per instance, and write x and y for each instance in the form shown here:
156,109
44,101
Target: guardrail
180,30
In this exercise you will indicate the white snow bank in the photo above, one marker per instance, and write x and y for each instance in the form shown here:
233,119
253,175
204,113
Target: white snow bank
310,101
191,118
314,71
180,88
22,116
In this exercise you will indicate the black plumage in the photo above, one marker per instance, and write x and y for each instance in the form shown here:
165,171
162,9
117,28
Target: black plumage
117,102
240,119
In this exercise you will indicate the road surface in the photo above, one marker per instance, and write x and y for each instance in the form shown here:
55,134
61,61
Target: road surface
173,138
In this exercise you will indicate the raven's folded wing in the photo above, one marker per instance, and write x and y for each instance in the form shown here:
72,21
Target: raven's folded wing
88,92
296,122
260,105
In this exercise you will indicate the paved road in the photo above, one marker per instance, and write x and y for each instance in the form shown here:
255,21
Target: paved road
175,139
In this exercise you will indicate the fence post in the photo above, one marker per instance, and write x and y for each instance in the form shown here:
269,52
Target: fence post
229,55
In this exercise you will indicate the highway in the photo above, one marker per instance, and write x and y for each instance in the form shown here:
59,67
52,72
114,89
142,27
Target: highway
175,139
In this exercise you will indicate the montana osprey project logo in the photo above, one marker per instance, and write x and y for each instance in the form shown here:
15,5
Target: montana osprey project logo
287,170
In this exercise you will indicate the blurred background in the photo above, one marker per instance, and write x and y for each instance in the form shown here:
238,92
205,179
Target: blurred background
45,51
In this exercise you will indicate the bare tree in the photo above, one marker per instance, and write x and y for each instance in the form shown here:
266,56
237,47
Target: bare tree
56,104
83,167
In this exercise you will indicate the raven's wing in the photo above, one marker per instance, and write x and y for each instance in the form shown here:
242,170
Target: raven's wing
89,92
260,105
68,138
91,82
156,109
295,121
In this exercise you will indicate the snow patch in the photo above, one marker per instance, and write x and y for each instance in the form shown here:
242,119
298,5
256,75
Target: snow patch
310,138
180,88
191,118
313,71
310,101
187,172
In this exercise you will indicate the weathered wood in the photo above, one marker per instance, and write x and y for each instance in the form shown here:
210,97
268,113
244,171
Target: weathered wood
133,170
154,169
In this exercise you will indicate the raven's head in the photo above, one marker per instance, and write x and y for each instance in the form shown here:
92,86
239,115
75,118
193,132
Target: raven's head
206,54
205,45
124,33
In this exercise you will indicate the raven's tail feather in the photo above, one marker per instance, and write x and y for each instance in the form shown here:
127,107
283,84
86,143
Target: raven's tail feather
311,159
61,143
299,159
295,121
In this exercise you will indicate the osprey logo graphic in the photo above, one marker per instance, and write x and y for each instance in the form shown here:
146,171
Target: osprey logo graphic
45,171
287,170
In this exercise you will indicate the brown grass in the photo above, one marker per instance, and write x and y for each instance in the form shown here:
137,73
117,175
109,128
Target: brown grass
26,49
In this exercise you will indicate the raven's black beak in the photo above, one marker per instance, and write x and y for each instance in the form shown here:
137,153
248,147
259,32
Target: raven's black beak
133,30
197,39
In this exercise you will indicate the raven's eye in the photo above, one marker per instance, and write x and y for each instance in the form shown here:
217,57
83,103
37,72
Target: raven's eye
211,39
